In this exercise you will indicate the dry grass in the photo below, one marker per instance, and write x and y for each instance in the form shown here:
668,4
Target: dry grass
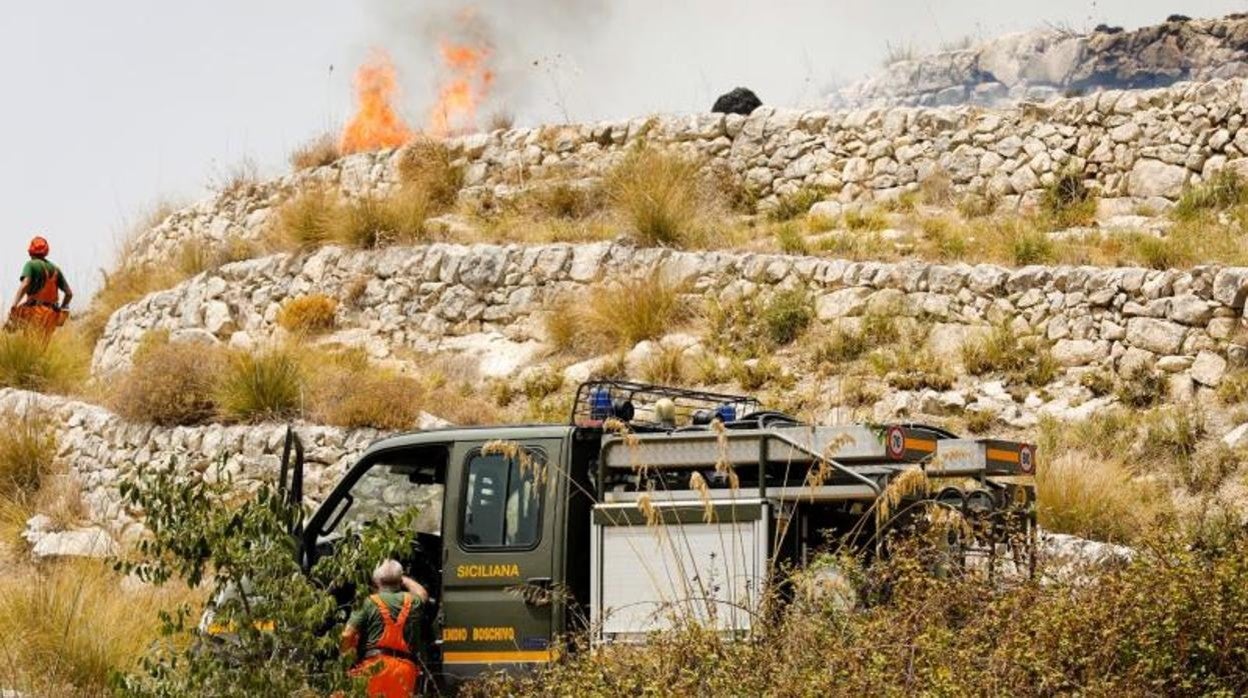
306,221
238,180
1068,202
310,314
614,315
1022,359
265,385
426,166
347,390
29,361
664,197
667,366
70,626
27,452
375,221
318,152
1224,190
169,383
1095,497
197,256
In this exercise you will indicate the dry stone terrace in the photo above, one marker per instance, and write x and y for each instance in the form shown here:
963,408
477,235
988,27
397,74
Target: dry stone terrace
1183,322
1132,146
100,449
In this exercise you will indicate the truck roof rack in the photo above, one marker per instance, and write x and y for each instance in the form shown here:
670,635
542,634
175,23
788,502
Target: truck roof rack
637,404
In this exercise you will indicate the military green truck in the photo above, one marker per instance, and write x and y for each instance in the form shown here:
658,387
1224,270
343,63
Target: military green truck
651,503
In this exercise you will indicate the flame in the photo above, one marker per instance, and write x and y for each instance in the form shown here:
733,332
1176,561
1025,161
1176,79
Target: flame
466,87
376,124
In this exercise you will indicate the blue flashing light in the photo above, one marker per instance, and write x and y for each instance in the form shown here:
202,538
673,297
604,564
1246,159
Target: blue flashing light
600,403
726,413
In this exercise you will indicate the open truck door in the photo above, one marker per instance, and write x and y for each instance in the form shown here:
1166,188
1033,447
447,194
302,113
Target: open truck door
500,576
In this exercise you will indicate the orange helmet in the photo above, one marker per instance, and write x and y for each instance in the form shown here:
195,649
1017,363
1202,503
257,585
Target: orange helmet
38,247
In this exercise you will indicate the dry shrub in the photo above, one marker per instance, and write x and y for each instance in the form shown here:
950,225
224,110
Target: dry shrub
616,315
376,220
310,314
1094,497
264,385
27,451
347,390
30,361
797,203
661,195
426,166
169,383
1224,190
70,626
306,221
563,199
936,189
318,152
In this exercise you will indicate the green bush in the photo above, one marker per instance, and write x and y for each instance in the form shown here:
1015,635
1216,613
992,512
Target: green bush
797,203
787,315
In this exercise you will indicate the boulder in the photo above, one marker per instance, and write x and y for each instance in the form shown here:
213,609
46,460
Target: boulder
1079,352
1155,178
1157,336
1208,369
741,101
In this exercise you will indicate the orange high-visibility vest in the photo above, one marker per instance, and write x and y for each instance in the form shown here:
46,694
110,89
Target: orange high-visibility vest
393,673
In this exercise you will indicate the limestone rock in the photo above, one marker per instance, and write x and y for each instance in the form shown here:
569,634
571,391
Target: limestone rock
1208,369
1156,178
1157,336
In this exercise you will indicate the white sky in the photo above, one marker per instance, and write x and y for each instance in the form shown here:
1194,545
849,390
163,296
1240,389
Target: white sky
111,106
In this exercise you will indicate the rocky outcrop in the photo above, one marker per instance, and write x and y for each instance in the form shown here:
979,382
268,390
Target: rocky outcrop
452,297
1049,63
1145,144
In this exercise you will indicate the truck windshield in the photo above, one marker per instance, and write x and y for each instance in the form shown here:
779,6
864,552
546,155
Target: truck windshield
394,486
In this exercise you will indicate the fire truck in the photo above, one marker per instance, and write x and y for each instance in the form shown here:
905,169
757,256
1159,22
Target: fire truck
650,504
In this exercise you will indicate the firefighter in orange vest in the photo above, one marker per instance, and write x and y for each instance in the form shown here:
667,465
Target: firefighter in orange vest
384,635
38,304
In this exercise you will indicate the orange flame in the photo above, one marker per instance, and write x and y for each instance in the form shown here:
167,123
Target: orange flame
376,124
466,87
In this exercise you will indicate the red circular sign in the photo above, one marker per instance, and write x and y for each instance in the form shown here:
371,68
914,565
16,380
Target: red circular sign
896,443
1027,459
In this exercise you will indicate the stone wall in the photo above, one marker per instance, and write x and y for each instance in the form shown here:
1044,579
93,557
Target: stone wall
1143,144
100,449
1048,63
1185,322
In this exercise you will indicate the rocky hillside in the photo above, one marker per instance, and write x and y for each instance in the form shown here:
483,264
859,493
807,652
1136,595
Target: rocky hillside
1045,64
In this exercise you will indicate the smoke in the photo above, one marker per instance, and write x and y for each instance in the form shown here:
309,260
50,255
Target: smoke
589,60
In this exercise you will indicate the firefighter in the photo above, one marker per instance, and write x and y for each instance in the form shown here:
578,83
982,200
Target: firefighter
38,305
384,634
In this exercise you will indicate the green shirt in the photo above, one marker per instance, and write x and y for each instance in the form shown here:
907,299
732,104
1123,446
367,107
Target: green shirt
37,271
367,621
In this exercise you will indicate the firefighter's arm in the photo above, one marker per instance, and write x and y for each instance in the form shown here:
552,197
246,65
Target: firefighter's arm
414,588
21,292
350,641
65,289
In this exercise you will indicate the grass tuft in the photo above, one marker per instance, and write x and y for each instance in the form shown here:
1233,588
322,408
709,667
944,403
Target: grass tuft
29,361
265,385
27,451
1094,497
660,194
318,152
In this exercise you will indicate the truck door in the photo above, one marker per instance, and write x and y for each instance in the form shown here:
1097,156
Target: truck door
500,529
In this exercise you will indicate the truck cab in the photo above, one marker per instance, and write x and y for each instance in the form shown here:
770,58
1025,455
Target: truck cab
495,531
652,503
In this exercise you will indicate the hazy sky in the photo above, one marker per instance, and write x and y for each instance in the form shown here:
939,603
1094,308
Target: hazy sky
110,106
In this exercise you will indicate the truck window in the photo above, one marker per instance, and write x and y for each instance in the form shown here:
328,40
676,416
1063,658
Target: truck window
393,485
503,505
